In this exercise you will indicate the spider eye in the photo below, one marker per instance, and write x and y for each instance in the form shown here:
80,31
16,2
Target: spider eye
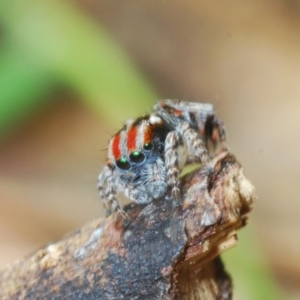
137,157
147,146
123,163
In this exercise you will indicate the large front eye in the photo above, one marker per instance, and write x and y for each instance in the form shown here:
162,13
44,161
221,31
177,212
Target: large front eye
137,157
123,163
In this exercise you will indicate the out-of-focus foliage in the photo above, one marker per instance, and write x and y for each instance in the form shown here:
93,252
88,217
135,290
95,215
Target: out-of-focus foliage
50,43
22,86
249,269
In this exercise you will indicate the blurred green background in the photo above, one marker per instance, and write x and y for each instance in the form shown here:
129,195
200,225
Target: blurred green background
72,72
51,44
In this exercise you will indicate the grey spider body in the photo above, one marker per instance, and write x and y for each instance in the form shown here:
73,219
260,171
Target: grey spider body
146,156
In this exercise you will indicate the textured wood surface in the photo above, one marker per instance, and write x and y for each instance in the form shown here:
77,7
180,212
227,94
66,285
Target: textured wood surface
167,251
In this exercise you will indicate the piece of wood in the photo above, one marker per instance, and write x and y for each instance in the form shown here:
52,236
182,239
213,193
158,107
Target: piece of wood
167,251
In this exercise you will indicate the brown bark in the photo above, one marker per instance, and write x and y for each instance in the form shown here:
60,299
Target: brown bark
167,251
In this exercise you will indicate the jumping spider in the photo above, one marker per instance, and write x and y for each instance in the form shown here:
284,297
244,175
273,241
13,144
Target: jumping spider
146,156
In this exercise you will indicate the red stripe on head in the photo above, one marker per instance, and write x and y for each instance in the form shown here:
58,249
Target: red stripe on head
116,146
148,134
131,138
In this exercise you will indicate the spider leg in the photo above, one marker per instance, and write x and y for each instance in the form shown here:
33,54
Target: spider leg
222,133
114,202
108,192
103,177
195,145
102,180
201,117
172,163
179,106
214,135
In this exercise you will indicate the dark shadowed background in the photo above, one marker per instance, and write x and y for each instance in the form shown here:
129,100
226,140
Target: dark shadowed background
71,73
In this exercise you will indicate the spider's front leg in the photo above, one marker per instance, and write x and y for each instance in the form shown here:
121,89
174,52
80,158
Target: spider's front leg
172,163
107,188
